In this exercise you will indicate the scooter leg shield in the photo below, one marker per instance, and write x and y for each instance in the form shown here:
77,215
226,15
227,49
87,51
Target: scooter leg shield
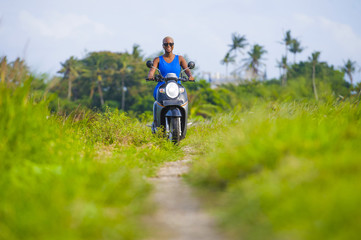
156,116
155,113
185,122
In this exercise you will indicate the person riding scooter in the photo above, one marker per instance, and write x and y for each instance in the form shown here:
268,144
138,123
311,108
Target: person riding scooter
170,109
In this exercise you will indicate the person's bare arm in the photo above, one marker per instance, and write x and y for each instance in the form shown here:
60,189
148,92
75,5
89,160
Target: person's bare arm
152,70
184,65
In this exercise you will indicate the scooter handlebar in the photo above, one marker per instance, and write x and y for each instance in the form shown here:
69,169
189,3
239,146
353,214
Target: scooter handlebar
159,79
183,79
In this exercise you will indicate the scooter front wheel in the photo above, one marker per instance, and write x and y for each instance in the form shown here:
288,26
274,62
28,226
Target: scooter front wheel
174,133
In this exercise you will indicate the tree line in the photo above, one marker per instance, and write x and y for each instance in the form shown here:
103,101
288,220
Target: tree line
253,65
116,80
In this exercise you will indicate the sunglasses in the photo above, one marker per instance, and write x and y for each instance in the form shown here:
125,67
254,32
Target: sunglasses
168,44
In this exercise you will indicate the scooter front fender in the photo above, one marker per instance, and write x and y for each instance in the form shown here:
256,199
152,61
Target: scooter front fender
174,112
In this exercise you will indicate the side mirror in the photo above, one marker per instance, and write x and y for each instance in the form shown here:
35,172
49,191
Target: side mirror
149,64
191,65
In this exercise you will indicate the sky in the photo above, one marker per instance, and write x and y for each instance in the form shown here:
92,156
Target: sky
47,33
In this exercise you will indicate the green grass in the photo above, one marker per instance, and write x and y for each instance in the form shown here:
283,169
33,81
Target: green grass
80,177
276,171
284,171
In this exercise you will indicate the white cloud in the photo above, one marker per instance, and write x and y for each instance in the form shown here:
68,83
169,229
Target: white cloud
62,26
342,35
337,41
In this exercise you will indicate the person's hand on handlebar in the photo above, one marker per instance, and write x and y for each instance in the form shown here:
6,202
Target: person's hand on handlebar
150,77
191,78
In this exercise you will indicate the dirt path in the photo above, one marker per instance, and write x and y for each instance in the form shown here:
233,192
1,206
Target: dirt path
179,215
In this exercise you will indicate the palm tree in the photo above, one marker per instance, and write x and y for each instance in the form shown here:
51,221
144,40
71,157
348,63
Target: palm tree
70,69
100,91
284,66
124,70
295,47
253,63
227,60
314,59
238,43
94,71
287,40
349,68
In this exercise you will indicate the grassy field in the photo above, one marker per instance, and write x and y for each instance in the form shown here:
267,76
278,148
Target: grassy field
274,171
80,177
283,171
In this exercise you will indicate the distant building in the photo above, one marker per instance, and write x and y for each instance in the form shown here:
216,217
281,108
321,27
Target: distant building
216,79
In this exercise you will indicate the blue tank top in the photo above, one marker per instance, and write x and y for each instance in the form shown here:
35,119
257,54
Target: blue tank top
173,67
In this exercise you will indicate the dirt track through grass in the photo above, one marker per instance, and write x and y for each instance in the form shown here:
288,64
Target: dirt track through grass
179,214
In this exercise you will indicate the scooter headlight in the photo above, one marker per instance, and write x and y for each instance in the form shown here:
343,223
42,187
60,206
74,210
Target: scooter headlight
172,90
